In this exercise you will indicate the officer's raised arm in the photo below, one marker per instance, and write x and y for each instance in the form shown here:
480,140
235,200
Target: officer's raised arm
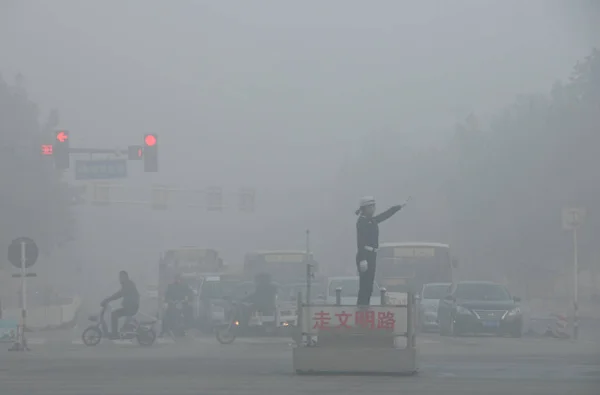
387,213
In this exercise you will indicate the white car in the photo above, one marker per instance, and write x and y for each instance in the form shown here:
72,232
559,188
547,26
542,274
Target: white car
349,286
428,305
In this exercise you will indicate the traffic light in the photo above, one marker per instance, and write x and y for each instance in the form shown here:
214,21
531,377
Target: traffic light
47,149
150,153
60,149
135,152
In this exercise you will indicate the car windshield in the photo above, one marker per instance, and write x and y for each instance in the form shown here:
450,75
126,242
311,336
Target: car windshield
435,291
480,291
349,287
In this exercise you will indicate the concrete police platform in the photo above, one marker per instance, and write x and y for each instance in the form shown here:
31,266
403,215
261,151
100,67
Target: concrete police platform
352,340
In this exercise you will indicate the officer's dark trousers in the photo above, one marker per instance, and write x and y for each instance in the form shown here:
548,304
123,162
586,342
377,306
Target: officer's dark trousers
365,286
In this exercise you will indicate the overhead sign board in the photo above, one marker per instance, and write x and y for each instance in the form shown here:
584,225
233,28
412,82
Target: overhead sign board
572,217
100,169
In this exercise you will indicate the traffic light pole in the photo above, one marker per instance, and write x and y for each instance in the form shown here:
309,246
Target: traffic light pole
92,151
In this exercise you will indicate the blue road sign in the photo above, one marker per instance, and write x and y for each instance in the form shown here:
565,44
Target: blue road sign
100,169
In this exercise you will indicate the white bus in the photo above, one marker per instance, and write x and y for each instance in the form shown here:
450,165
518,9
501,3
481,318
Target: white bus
405,267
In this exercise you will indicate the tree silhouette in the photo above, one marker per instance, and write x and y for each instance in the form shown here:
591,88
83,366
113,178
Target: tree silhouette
503,185
34,201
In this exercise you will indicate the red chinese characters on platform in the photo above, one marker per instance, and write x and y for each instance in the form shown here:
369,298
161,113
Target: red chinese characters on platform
367,319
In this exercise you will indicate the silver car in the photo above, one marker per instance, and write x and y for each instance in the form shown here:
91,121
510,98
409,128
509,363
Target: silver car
428,305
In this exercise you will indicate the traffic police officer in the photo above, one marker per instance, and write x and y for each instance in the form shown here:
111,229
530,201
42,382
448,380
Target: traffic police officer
367,238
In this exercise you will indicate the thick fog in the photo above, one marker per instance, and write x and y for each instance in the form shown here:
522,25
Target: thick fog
295,99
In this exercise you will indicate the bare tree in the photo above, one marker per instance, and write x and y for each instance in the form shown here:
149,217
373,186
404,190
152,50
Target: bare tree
34,201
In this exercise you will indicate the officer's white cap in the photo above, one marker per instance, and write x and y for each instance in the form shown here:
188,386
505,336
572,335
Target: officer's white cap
366,201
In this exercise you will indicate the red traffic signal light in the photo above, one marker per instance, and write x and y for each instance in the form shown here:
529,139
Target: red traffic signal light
150,153
60,149
62,136
135,152
150,140
47,149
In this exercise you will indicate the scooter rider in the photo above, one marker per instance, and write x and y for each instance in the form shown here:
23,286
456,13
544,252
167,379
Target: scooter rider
367,237
177,291
263,298
130,303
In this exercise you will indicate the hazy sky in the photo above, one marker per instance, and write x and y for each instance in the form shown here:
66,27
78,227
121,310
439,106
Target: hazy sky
274,93
277,91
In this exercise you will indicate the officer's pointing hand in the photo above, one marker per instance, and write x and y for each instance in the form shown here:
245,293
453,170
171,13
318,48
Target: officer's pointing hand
401,206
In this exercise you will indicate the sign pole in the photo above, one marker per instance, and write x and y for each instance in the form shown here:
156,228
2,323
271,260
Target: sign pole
20,341
575,286
22,254
24,293
308,280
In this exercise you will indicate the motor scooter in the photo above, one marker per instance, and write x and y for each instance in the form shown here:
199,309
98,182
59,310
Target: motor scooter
142,331
235,321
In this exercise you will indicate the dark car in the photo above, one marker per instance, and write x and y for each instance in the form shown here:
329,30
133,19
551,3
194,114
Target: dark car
479,307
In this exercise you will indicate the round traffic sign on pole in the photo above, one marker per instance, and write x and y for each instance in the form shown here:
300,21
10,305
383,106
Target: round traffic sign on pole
15,252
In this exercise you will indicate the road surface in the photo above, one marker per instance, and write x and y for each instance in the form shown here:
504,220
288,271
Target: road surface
467,365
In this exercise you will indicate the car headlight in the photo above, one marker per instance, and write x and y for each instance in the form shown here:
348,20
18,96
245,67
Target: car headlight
514,312
462,310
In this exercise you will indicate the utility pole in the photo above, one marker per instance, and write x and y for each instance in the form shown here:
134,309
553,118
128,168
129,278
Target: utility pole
572,219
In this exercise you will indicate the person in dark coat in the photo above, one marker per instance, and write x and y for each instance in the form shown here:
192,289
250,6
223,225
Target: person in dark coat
367,242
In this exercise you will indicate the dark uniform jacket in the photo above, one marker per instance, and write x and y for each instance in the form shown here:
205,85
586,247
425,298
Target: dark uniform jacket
367,232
